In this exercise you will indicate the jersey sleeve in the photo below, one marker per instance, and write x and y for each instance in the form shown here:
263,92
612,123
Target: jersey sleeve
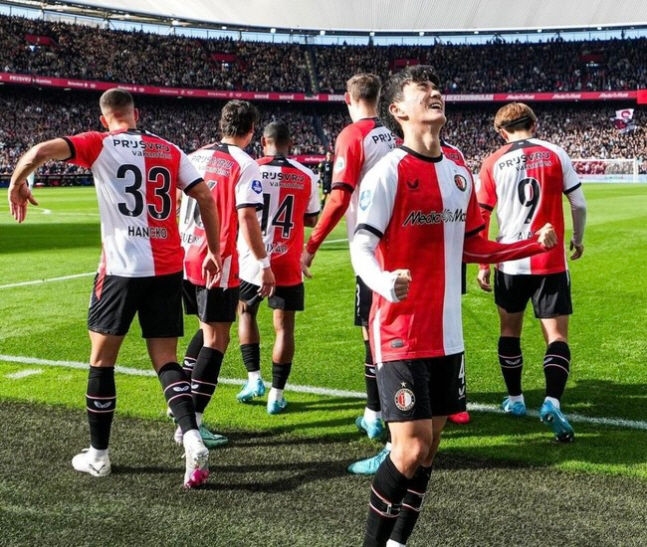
474,221
486,193
188,175
249,189
571,178
313,207
349,158
85,148
379,188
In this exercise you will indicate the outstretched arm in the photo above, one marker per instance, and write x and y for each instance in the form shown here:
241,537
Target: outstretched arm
480,250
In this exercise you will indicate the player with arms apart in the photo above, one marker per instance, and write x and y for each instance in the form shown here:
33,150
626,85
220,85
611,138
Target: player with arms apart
291,202
418,220
136,175
234,180
358,148
525,179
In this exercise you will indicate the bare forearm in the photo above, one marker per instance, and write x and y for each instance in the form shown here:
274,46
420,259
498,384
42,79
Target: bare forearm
56,149
251,231
210,222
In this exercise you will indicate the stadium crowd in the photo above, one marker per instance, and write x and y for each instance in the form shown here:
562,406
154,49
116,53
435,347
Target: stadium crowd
85,52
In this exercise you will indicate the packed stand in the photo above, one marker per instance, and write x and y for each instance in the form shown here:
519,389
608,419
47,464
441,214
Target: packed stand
89,53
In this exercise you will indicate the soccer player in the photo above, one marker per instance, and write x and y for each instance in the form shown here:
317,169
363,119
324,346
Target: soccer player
418,220
136,175
234,180
325,176
525,179
358,147
291,202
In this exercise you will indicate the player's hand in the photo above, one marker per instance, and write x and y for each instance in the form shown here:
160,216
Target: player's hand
402,282
268,283
483,279
547,236
212,269
306,262
579,250
19,196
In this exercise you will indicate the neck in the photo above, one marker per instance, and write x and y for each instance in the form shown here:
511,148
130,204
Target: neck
122,124
274,152
423,141
519,136
240,142
363,110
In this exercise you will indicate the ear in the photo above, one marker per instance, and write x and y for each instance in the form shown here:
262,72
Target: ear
263,142
347,98
504,134
136,114
104,122
396,111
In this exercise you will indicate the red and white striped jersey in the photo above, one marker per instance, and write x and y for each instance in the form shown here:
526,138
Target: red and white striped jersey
525,180
422,209
290,192
358,148
136,175
235,182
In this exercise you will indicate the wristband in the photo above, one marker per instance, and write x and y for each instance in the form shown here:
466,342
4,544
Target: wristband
264,262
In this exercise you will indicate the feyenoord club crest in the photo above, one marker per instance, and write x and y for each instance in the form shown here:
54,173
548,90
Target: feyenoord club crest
405,399
460,181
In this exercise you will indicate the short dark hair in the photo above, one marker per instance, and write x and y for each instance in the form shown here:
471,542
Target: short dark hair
392,92
116,100
278,132
238,118
364,87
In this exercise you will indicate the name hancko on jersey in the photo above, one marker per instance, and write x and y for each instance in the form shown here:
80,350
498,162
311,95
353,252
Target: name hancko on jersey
145,231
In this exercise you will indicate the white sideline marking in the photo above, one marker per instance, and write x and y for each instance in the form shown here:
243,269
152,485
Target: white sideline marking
24,373
39,281
473,407
335,240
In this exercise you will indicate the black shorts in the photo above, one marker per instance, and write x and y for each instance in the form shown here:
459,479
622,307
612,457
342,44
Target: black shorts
290,298
215,305
363,301
326,187
419,389
551,294
156,300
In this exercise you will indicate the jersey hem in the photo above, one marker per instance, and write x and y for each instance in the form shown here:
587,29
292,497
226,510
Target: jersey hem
422,354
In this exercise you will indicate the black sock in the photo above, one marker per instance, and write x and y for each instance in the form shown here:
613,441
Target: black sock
251,356
101,400
205,377
280,374
192,351
411,505
387,491
511,361
557,363
177,391
372,395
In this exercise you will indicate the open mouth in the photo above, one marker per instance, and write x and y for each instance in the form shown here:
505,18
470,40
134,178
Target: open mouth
436,105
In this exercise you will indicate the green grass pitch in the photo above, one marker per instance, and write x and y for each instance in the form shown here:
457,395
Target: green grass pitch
282,479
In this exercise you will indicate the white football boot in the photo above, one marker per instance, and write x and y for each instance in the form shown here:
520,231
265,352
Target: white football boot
197,459
88,462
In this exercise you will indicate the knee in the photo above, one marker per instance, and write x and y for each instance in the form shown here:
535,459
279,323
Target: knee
410,454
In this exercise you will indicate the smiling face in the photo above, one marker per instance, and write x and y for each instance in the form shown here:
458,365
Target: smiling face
421,104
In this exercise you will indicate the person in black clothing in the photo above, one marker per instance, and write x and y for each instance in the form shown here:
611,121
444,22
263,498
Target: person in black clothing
325,176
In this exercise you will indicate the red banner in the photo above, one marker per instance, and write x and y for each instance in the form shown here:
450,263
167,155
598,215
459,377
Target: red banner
309,159
38,40
642,96
86,85
226,57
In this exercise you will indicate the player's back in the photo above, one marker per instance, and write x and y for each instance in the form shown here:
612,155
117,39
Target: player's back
525,180
234,183
358,148
136,175
289,194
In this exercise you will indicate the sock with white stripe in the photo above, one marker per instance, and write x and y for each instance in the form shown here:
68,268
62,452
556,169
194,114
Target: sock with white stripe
205,377
387,491
100,400
556,368
411,506
192,351
177,392
372,394
511,361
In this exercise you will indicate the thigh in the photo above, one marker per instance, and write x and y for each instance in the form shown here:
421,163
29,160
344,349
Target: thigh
160,311
552,296
217,305
404,391
105,349
113,304
288,298
447,384
512,292
363,301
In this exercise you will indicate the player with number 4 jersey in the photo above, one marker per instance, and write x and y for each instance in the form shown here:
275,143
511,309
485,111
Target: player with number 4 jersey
291,202
525,179
136,176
